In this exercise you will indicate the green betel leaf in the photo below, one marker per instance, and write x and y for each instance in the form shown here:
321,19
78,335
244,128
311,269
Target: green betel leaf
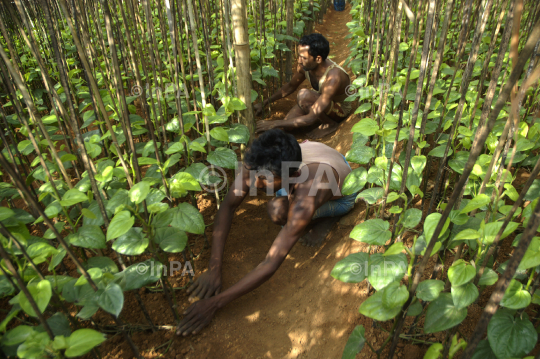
131,243
411,217
88,236
352,269
392,196
536,297
381,162
394,295
460,273
415,309
366,126
511,336
223,157
112,299
41,292
88,213
40,251
139,275
34,346
418,163
239,134
373,231
439,151
533,192
491,229
483,351
88,311
395,248
371,195
355,344
429,290
355,181
464,295
17,335
120,224
360,154
187,218
489,277
532,256
73,196
170,239
458,218
385,270
6,213
105,264
467,234
188,182
479,201
434,351
363,108
139,191
374,309
442,314
515,296
431,223
219,134
82,341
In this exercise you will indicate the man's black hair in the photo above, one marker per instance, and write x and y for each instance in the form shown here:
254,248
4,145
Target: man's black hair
270,150
318,45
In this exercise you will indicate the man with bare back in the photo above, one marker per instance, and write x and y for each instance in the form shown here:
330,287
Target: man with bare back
307,179
325,103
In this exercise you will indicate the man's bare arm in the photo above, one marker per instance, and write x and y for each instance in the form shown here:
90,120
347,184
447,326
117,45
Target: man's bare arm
329,90
300,213
209,283
287,89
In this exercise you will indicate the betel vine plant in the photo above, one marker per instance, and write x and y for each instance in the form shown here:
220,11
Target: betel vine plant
113,115
477,139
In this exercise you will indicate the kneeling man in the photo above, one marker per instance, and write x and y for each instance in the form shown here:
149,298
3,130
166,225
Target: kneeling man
308,178
324,104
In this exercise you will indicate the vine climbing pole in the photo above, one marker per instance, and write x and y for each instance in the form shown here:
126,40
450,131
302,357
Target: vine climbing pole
242,55
288,60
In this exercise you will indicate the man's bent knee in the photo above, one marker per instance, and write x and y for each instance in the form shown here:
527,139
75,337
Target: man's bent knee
278,209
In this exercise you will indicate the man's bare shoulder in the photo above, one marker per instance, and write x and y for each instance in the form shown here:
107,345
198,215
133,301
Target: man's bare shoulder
336,74
317,173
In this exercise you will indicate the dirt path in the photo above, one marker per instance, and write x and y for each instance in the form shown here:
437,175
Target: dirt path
301,312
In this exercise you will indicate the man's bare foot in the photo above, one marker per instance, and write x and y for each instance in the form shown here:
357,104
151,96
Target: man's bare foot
321,131
316,235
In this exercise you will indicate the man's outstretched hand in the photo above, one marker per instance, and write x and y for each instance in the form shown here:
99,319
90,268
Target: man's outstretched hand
258,109
197,316
207,285
265,126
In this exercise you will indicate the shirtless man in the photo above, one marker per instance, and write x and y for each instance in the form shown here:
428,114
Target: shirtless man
325,103
312,174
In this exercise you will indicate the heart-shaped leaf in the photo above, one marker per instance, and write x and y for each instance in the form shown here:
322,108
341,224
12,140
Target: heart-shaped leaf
373,231
511,336
442,314
352,269
460,273
429,290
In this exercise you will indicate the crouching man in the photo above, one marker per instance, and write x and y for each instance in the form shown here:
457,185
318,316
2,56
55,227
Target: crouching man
308,178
